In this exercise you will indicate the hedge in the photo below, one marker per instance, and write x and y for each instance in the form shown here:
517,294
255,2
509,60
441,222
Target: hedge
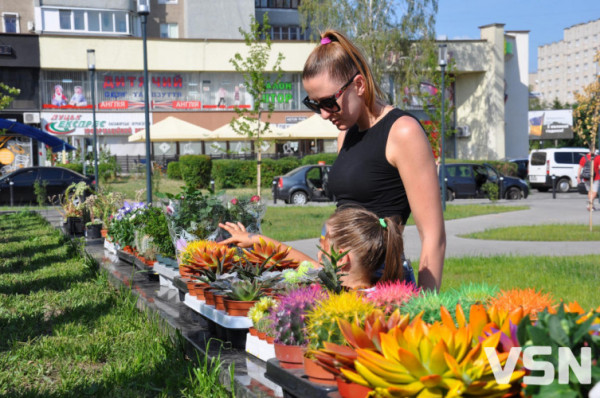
196,170
328,158
78,167
234,173
174,170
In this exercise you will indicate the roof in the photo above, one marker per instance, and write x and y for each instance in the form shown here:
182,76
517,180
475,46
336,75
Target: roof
53,142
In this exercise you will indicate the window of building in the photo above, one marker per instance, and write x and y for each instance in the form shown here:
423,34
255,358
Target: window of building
276,3
82,21
64,18
167,1
169,30
11,22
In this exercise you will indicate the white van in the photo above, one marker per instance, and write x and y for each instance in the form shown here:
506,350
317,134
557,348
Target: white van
562,163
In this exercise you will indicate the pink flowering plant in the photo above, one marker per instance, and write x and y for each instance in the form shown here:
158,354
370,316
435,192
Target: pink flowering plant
248,211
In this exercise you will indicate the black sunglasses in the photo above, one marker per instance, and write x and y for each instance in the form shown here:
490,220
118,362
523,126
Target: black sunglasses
330,103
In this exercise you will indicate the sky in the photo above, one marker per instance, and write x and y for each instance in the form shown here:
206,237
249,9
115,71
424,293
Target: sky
544,19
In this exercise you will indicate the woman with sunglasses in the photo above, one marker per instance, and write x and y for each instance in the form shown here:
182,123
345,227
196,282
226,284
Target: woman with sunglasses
385,163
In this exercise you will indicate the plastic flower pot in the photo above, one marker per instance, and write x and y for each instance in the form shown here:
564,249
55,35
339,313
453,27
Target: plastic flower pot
317,374
351,390
238,308
289,356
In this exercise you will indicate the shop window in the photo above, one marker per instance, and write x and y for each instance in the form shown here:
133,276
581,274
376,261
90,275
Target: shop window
11,22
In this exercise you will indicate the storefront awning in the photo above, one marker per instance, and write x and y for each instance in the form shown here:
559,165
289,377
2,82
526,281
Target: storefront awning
315,127
56,144
227,133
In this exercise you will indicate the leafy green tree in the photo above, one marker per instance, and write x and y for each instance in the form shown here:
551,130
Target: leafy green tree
7,95
396,45
257,78
587,112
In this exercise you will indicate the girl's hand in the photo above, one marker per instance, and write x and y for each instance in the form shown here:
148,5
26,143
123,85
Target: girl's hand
239,235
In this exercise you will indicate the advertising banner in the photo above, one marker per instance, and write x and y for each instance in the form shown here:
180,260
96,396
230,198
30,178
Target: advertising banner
80,124
551,124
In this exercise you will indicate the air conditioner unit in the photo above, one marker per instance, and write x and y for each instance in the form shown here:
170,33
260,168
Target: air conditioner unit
463,131
31,118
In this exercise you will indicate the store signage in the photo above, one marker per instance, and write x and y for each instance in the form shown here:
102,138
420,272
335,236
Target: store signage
278,93
80,124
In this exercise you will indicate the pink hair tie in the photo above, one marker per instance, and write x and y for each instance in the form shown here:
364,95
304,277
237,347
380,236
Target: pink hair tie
325,40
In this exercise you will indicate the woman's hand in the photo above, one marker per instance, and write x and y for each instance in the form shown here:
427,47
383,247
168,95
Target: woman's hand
239,235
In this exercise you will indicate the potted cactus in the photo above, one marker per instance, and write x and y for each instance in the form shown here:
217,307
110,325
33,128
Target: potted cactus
391,295
288,319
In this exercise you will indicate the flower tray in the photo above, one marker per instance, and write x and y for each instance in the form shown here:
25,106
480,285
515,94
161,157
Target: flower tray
145,268
166,275
295,383
259,348
168,262
126,257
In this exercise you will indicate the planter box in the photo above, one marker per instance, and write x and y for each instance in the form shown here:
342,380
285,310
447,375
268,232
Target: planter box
295,383
93,231
145,268
259,348
126,257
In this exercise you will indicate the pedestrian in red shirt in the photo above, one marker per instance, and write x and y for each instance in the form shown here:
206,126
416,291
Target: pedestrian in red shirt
591,187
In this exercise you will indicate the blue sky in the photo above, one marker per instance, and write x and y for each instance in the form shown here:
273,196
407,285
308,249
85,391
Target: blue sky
544,19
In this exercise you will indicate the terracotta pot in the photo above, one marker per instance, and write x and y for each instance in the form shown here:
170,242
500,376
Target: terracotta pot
200,290
261,335
238,308
290,356
220,302
185,271
270,339
351,390
253,331
103,232
317,374
209,297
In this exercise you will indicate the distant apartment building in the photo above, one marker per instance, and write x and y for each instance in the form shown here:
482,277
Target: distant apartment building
567,66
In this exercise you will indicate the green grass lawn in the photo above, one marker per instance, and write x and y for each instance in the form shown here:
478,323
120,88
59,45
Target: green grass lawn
543,233
305,222
66,332
573,278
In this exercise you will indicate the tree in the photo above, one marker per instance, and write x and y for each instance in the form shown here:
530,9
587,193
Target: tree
7,95
396,46
254,70
587,117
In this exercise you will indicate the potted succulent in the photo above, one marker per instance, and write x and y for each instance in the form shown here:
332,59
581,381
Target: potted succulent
242,296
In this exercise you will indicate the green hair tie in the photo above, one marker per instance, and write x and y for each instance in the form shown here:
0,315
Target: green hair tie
383,223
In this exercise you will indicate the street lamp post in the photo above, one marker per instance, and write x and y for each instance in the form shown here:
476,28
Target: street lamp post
442,64
91,60
143,9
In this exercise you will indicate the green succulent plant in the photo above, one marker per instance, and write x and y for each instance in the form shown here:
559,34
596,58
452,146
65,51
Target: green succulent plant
245,290
331,273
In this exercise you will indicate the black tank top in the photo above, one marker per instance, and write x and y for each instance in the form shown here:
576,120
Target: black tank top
361,174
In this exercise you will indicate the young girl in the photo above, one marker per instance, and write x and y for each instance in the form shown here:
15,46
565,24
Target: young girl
374,246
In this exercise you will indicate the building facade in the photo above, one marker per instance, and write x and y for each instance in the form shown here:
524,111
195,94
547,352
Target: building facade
191,78
567,66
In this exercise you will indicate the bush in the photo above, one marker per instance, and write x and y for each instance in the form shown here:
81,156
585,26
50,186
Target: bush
174,170
235,173
196,170
78,167
231,173
328,158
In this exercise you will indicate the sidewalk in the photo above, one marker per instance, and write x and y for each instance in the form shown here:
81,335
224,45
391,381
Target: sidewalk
567,208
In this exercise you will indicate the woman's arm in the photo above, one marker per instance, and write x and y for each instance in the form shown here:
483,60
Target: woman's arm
409,151
242,238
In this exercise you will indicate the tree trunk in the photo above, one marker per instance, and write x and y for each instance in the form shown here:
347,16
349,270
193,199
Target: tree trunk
591,193
258,157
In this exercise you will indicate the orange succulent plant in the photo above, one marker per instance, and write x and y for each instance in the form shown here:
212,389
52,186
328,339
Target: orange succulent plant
530,300
270,255
208,255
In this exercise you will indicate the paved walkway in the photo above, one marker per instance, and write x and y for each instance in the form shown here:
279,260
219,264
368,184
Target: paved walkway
567,208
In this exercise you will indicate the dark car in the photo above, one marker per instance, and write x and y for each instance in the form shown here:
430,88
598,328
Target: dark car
303,184
467,180
522,164
56,179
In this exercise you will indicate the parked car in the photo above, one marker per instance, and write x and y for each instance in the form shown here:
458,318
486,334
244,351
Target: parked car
303,184
562,163
57,180
522,165
467,180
